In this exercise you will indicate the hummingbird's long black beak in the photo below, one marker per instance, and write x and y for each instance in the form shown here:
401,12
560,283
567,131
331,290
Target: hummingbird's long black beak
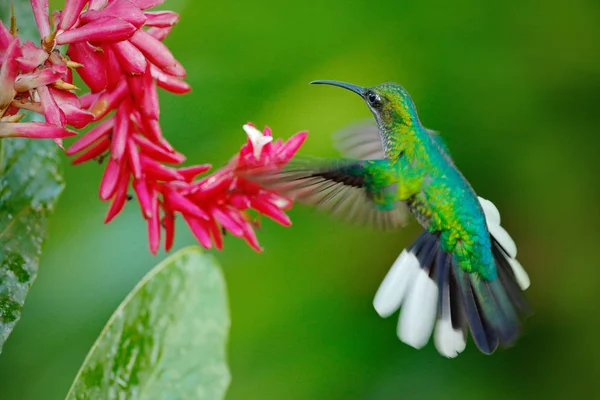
353,88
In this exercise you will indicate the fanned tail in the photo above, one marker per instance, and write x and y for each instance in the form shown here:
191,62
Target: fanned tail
434,292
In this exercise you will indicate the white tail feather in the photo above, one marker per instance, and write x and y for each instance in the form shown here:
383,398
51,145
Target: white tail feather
492,217
520,274
391,292
417,316
507,243
449,342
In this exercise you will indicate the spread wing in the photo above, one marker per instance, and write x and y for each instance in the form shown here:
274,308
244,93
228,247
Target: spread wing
362,192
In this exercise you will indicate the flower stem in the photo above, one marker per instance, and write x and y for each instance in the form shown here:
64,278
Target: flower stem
13,20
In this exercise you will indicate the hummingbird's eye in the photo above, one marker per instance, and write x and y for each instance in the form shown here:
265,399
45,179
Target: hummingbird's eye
373,99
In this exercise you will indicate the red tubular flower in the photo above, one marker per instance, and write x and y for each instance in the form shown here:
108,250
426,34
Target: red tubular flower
116,48
29,79
226,195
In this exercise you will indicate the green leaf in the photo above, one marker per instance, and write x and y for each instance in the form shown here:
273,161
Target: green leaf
166,340
30,183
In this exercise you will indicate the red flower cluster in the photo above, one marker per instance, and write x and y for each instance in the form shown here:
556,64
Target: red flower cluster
40,81
116,48
221,200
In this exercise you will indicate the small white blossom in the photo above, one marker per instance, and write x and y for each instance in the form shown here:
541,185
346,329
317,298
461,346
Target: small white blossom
257,138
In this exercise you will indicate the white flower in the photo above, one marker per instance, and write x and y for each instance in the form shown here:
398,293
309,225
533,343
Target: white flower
257,138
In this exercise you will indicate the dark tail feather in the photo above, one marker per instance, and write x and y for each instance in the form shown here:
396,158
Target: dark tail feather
495,309
509,282
482,331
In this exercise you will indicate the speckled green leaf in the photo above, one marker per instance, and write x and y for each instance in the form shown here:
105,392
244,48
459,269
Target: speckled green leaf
30,183
167,338
29,186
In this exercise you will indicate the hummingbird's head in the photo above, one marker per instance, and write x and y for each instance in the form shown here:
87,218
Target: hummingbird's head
389,102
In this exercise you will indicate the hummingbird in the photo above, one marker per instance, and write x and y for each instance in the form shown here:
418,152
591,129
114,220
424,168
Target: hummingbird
461,273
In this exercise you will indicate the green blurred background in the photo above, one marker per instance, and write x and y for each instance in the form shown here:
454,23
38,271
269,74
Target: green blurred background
513,87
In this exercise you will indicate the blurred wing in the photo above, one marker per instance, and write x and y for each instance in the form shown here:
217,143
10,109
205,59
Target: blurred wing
339,187
435,135
360,141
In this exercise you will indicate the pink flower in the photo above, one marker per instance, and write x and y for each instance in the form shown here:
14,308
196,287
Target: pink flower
30,78
227,196
219,201
116,48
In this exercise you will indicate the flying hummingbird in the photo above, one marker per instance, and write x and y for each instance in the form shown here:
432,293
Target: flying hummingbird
461,273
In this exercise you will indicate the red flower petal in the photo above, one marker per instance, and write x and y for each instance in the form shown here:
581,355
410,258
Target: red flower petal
121,130
229,223
94,151
108,101
32,57
88,99
40,12
41,77
271,211
93,72
52,112
154,225
136,90
76,117
239,201
199,230
168,222
123,9
151,129
159,171
141,190
120,196
97,4
190,173
149,105
130,58
105,29
157,53
114,73
5,37
179,203
100,130
134,159
145,4
70,13
64,97
161,19
159,154
168,82
210,185
160,33
8,73
249,234
251,239
289,148
108,185
216,234
33,130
